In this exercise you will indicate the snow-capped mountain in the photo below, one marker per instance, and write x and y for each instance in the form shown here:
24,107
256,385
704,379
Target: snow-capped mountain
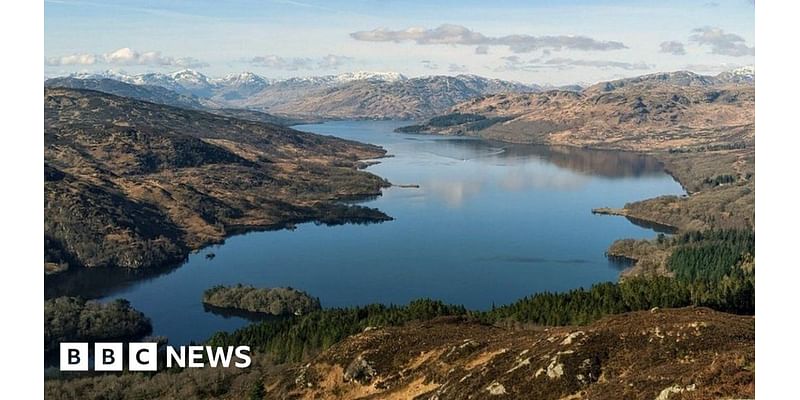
376,94
492,85
192,80
745,74
242,79
238,86
370,76
186,81
154,79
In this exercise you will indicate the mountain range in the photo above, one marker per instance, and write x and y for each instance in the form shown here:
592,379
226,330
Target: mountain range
352,95
368,95
663,111
162,95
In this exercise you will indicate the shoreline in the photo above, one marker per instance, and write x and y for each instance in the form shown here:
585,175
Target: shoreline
338,200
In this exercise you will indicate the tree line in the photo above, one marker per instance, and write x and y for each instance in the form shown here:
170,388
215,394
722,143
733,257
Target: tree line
713,269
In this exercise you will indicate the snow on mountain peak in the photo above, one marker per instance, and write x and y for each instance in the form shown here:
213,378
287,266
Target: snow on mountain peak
190,76
242,78
745,74
746,70
370,76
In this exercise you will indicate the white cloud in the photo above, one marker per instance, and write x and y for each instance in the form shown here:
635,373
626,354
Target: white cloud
189,62
74,59
333,61
563,63
728,44
126,56
272,61
460,35
515,63
673,47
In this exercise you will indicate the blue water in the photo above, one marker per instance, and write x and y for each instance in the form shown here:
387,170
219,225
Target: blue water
489,224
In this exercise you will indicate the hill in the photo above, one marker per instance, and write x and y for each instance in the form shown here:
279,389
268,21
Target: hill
161,95
645,114
403,99
137,184
670,353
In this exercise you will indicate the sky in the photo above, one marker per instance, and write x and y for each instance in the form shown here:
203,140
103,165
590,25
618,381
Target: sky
544,42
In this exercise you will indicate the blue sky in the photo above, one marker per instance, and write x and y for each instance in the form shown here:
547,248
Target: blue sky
553,42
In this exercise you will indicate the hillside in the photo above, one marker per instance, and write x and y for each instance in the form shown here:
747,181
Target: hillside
638,115
638,355
701,128
402,99
659,354
151,93
137,184
161,95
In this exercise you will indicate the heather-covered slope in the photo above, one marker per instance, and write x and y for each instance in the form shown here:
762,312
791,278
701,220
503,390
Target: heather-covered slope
136,184
689,353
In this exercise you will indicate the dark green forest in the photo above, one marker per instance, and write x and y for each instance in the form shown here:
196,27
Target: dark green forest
73,319
294,338
713,269
470,122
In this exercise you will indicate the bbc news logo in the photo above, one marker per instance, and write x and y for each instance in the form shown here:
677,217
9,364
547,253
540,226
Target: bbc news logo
144,356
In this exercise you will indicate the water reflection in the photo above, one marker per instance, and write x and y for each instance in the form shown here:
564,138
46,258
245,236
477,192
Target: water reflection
98,282
607,163
228,313
467,166
533,260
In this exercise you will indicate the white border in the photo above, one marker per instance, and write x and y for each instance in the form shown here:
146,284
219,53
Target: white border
22,199
777,157
778,153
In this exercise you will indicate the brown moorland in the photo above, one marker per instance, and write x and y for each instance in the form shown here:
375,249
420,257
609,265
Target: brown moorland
135,184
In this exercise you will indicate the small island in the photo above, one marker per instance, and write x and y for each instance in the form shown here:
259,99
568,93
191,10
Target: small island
274,301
